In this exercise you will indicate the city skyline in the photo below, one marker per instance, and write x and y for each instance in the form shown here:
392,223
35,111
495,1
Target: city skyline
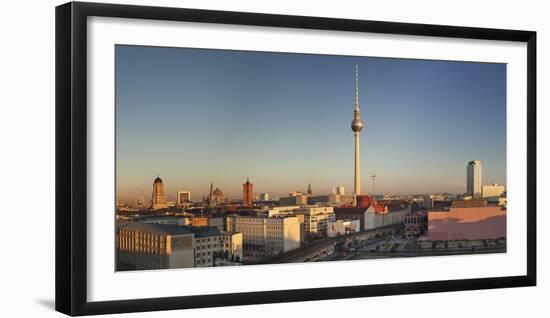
199,116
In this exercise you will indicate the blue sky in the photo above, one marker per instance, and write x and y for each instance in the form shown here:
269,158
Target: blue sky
194,116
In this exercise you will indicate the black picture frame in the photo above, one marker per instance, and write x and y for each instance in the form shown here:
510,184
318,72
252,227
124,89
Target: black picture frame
71,157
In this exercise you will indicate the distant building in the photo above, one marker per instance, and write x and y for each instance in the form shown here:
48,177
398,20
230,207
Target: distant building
183,197
294,198
338,190
264,197
471,223
351,213
378,215
474,178
339,199
216,197
158,198
247,193
319,199
493,190
218,222
342,227
469,203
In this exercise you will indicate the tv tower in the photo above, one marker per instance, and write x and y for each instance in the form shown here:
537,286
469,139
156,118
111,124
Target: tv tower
357,126
373,177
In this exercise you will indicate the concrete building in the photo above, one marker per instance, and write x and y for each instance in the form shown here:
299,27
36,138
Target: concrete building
207,245
266,236
158,197
339,190
183,197
474,223
492,191
143,246
232,246
316,219
340,199
416,224
378,215
264,197
351,213
342,227
218,222
294,198
474,178
319,199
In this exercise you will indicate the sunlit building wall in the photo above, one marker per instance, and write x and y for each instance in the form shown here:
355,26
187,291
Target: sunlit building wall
473,223
473,178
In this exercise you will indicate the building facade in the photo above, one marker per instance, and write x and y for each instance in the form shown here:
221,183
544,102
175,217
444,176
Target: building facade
183,197
297,199
474,178
472,223
265,236
342,227
380,216
144,246
316,219
248,192
494,190
158,197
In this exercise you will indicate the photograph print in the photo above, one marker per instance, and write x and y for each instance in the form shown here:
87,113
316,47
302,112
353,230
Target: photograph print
234,158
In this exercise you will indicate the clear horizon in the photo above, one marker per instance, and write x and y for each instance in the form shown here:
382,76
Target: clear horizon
196,116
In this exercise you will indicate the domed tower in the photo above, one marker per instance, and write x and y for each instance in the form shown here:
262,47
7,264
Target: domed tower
159,201
357,126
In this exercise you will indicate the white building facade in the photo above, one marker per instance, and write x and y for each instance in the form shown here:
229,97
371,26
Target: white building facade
316,219
474,178
493,190
266,235
342,227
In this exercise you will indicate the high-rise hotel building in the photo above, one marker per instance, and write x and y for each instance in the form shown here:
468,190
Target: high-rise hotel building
473,178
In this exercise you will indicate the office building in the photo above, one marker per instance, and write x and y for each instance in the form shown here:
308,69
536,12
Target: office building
142,246
294,198
266,236
493,190
264,197
473,178
183,197
316,219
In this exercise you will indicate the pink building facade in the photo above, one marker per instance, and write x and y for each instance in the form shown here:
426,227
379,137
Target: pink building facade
476,223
